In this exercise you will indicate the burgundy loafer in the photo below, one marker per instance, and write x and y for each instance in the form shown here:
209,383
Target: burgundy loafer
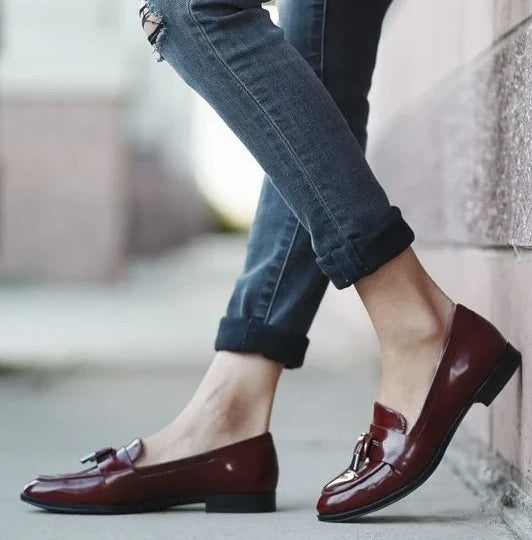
241,477
389,462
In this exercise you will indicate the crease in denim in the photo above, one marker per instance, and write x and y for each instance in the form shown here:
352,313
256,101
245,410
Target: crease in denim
322,47
276,128
282,271
288,253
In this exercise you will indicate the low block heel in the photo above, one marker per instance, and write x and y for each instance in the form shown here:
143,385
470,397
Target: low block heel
241,503
500,375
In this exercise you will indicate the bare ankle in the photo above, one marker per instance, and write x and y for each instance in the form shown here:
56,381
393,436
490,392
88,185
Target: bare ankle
424,332
237,385
232,413
234,399
406,306
232,403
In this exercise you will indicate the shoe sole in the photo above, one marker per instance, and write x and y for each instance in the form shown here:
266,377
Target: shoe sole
486,393
239,503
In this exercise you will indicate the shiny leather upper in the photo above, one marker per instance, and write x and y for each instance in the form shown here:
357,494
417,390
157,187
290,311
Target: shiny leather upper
249,466
393,457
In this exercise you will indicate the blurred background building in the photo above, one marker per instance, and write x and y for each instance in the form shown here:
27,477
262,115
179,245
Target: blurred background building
106,156
104,152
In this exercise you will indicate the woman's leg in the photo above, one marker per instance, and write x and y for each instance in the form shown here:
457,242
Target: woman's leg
233,55
279,291
280,288
282,112
277,106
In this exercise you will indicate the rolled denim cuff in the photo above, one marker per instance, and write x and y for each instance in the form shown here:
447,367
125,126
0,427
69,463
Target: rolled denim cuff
253,336
359,257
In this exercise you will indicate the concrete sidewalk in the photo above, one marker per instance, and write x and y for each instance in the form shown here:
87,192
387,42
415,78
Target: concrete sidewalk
91,367
49,419
164,311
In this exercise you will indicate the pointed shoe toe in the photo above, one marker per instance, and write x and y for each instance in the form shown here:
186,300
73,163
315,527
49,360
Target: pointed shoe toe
390,462
30,490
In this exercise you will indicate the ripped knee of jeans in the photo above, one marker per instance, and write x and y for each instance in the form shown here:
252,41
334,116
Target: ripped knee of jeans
153,25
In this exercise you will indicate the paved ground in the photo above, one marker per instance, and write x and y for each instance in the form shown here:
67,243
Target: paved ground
164,312
52,413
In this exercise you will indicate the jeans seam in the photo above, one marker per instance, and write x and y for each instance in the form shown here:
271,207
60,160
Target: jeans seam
322,45
267,116
282,272
298,225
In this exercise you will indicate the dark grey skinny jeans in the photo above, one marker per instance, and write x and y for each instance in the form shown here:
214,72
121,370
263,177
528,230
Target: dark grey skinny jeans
322,214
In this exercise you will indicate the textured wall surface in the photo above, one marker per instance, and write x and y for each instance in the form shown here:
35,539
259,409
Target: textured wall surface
425,42
459,162
496,284
451,139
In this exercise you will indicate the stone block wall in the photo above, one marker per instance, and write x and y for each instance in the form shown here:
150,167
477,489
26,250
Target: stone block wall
451,140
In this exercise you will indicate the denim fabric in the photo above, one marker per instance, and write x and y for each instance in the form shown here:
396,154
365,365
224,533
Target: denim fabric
321,198
280,288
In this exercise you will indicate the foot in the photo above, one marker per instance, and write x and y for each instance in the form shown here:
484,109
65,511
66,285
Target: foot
408,368
389,462
224,433
411,316
233,403
240,477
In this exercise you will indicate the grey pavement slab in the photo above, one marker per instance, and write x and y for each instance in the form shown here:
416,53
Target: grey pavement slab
90,366
49,418
165,309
